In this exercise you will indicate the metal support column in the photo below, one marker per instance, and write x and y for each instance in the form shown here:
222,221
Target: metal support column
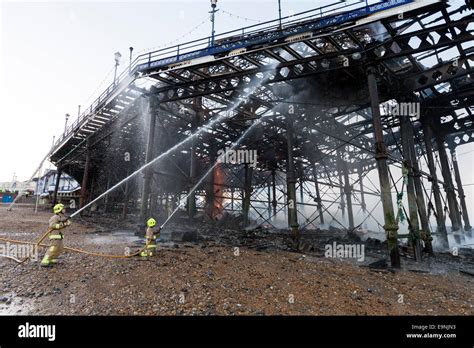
461,195
274,194
391,226
425,232
211,188
454,214
291,186
153,199
56,185
348,193
340,169
126,197
85,177
148,171
269,199
191,200
361,187
414,226
301,190
441,226
318,196
167,205
247,194
232,191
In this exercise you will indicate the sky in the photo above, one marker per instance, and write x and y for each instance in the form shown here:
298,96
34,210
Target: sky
57,55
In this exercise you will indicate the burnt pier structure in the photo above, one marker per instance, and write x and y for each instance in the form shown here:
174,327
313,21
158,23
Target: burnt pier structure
324,99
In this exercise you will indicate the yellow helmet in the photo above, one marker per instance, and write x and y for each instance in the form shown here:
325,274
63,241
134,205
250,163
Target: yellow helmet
58,208
151,222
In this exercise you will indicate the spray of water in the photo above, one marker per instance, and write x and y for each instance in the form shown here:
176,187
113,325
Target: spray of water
209,171
249,90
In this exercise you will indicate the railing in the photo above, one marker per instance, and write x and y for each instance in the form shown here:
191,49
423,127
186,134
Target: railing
263,32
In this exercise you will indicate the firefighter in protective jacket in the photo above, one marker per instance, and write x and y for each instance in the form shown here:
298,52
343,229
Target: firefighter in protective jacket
152,233
56,223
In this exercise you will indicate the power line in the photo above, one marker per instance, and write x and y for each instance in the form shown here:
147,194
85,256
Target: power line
177,39
240,17
99,86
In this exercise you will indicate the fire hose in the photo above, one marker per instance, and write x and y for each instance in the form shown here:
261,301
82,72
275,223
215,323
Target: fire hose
81,251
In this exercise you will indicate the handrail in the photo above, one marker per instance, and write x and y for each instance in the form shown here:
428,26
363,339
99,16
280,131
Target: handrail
192,49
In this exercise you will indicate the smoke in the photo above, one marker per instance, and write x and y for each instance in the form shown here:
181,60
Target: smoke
208,126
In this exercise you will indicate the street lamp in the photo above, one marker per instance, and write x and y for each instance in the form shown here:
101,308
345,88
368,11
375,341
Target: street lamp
213,17
130,63
65,123
279,12
117,57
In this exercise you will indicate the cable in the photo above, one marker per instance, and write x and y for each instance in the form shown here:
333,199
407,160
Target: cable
99,86
176,40
240,17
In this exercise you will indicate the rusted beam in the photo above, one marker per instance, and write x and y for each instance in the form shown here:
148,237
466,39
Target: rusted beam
361,188
318,195
425,233
461,195
454,214
291,185
247,194
441,226
85,177
414,226
56,186
148,158
274,194
390,226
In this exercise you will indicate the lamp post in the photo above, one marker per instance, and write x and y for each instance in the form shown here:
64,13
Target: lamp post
130,60
213,17
117,57
65,123
279,12
78,111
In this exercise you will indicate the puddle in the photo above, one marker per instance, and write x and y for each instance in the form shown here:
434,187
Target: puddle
17,306
16,234
115,237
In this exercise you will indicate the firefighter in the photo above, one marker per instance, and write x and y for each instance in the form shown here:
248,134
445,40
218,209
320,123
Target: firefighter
56,223
152,233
